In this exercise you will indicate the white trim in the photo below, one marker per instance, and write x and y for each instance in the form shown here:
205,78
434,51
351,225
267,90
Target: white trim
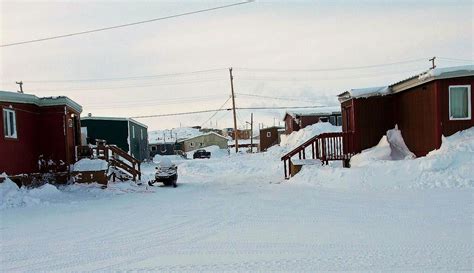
469,108
7,130
15,97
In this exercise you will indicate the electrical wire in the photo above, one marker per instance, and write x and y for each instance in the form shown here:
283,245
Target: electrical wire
220,108
456,60
274,98
330,69
125,25
128,78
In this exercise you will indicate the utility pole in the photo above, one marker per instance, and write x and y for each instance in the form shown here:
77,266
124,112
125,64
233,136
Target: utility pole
236,137
432,60
251,132
20,83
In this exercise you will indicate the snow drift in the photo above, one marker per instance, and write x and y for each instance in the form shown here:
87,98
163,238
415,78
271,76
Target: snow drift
450,166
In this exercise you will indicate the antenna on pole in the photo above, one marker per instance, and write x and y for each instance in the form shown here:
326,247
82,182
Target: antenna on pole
432,60
20,83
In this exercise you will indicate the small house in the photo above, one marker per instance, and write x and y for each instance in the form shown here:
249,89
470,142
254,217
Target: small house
269,137
163,148
202,141
294,121
425,107
39,134
126,133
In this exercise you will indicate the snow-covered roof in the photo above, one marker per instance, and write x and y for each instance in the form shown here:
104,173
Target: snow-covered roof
172,135
322,111
114,118
206,134
15,97
432,74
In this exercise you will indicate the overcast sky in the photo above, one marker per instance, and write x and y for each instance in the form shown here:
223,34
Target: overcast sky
257,39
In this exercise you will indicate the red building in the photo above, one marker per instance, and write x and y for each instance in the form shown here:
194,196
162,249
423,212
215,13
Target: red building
294,121
37,128
425,107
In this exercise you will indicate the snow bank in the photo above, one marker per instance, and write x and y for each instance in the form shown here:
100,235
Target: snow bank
448,167
390,147
87,164
299,137
13,196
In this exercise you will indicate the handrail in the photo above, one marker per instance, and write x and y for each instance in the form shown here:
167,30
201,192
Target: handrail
297,149
325,147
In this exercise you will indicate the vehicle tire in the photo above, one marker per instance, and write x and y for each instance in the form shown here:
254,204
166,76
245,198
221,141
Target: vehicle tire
150,183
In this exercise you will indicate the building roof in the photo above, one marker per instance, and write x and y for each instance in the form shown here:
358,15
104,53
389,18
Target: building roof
114,118
427,76
206,134
272,127
15,97
323,111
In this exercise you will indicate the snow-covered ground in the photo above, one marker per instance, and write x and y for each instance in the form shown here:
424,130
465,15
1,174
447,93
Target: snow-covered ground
236,213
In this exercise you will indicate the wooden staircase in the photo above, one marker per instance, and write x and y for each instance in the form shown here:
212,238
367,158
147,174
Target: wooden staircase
324,147
116,157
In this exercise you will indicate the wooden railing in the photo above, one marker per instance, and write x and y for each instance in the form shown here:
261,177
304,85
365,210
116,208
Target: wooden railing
114,155
325,147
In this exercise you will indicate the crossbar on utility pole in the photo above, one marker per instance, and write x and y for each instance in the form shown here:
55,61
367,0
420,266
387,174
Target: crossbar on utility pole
236,137
20,83
432,60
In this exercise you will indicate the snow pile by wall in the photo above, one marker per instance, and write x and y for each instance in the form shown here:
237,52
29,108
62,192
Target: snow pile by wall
90,165
13,196
299,137
450,166
390,147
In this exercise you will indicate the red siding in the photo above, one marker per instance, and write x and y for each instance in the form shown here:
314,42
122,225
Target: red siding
416,116
41,131
20,155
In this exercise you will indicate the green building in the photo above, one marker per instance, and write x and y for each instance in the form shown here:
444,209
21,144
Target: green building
128,134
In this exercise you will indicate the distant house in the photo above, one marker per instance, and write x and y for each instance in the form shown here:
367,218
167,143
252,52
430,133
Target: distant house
425,107
164,148
202,141
127,134
270,136
36,131
294,121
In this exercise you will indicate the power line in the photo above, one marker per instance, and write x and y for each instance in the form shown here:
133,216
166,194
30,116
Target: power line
275,98
129,78
229,109
126,25
458,60
329,69
220,108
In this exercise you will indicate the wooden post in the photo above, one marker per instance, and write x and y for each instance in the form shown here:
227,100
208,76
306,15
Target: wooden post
236,137
251,132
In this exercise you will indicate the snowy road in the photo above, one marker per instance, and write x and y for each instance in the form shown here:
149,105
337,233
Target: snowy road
219,220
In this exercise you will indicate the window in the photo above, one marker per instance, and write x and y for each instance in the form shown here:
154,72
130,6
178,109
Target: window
133,131
191,144
339,121
153,148
9,123
332,120
459,102
141,133
269,134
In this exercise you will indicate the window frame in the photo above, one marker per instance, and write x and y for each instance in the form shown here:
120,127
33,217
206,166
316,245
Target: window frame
6,127
469,106
269,134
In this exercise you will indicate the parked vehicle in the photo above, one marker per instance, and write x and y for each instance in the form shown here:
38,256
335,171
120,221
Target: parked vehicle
201,154
166,173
